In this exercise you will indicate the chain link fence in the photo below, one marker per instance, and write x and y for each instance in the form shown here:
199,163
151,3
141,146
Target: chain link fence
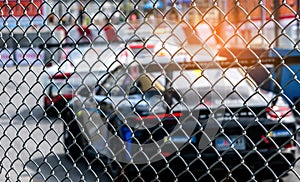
162,90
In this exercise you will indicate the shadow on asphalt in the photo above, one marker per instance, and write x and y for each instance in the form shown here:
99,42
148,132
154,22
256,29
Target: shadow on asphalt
61,168
35,114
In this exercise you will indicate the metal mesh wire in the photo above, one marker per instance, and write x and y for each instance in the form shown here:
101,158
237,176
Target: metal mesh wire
149,90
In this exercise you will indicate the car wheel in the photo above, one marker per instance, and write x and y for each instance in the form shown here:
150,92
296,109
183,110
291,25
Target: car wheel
76,147
72,136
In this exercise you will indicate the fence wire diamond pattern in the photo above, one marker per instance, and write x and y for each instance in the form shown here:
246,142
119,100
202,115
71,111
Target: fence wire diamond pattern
149,90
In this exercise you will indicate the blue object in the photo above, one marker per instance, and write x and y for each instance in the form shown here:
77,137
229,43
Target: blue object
150,5
289,73
284,53
179,2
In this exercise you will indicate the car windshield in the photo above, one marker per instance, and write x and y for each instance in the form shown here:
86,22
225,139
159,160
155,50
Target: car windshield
135,80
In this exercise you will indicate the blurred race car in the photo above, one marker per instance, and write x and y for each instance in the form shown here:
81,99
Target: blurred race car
163,119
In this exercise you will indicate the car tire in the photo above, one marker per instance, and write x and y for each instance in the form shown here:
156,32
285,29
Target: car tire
72,136
76,148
